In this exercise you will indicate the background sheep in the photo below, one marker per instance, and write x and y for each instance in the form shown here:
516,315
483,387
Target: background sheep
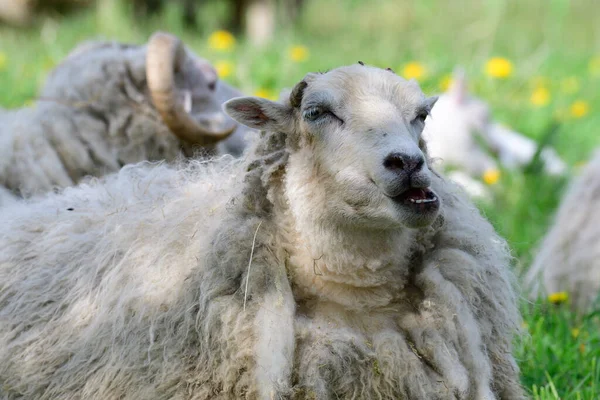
461,134
329,263
568,259
110,104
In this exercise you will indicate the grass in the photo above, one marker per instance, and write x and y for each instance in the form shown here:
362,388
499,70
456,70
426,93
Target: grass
550,43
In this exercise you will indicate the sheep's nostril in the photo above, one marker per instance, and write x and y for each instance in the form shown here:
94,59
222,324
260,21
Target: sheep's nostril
403,162
393,161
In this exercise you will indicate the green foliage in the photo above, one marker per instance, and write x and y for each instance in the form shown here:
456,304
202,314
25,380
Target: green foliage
550,44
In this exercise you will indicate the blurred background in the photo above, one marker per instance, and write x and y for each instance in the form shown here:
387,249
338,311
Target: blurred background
536,62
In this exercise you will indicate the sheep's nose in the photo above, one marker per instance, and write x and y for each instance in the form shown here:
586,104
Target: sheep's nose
407,163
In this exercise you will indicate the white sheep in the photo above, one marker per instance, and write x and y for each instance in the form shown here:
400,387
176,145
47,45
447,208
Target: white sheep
461,135
329,262
109,104
569,256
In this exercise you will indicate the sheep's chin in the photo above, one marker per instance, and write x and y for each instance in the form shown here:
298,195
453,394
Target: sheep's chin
417,208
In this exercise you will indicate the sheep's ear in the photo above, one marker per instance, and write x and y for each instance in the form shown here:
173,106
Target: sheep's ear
431,101
258,113
459,88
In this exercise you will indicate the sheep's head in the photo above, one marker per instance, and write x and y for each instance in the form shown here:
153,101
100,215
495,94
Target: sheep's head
355,132
178,82
144,91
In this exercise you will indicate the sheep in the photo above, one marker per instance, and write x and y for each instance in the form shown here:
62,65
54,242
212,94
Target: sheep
567,259
109,104
329,262
452,130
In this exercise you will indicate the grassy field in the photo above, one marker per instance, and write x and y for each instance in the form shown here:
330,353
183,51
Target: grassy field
550,52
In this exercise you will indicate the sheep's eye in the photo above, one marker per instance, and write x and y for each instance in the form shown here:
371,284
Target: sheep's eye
421,117
313,113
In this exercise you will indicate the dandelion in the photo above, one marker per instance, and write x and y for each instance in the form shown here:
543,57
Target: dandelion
266,94
594,66
414,70
570,85
540,97
575,332
558,297
221,40
224,68
445,83
3,60
498,67
579,109
491,176
298,53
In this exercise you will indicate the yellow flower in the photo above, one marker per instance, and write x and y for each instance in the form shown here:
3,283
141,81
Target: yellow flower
558,297
579,109
491,176
414,70
582,348
224,68
540,97
266,94
221,40
298,53
498,67
445,83
570,85
524,325
3,60
575,332
594,66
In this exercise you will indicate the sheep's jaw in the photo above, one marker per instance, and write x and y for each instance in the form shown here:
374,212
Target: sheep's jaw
421,205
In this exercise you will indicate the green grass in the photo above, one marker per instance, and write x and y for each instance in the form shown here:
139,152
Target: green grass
551,39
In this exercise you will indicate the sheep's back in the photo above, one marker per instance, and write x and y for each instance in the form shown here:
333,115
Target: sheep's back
96,274
569,254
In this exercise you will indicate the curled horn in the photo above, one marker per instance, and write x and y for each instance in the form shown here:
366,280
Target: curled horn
166,55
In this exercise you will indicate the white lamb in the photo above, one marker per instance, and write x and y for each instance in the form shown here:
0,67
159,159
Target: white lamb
452,131
329,263
569,256
109,104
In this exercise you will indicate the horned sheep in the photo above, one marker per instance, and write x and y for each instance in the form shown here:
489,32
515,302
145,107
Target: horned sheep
567,260
109,104
330,262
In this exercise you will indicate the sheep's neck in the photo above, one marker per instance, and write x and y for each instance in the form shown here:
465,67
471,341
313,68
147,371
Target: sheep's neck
359,270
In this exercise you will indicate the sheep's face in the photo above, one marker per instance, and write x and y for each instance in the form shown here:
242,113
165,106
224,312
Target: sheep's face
357,129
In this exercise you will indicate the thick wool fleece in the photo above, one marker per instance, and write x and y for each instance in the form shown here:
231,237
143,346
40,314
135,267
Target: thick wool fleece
193,283
568,258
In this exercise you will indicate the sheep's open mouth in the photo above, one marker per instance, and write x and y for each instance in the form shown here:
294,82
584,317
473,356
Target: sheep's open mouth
422,199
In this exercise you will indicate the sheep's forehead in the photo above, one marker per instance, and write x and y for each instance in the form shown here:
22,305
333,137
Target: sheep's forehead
362,88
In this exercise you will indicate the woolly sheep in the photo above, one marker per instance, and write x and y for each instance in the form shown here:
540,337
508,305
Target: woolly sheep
329,262
568,258
109,104
458,119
